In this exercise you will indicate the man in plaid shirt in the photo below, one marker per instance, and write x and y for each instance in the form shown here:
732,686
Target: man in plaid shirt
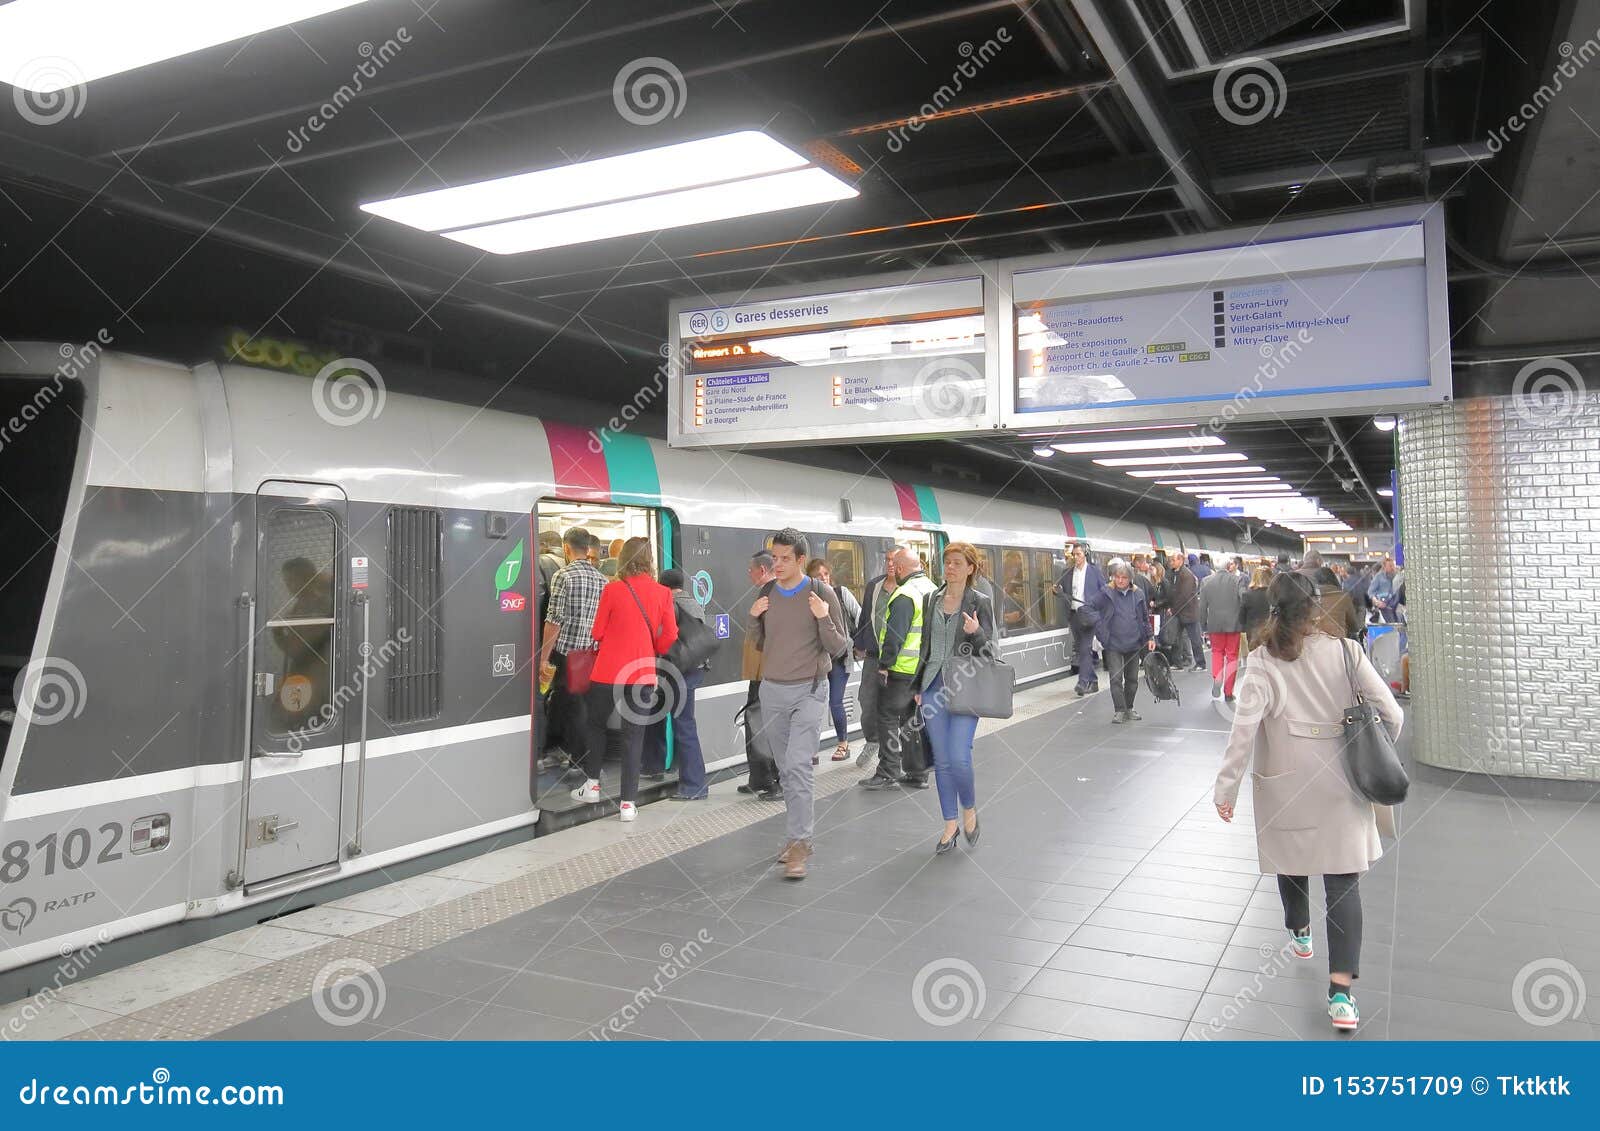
574,598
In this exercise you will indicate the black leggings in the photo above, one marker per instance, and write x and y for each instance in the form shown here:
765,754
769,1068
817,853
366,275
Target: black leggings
1344,916
616,716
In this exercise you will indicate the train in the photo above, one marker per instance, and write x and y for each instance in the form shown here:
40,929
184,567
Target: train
265,632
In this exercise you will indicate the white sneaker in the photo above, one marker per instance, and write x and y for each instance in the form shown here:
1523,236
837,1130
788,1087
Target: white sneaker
629,811
589,791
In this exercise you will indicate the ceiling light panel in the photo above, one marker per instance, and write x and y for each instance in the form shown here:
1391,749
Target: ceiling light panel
1146,461
670,168
1169,473
1148,444
50,45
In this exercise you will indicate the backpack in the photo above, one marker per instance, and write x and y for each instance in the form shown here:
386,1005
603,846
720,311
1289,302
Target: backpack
1158,677
696,643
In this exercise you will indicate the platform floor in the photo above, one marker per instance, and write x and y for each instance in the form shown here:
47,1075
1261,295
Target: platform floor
1105,901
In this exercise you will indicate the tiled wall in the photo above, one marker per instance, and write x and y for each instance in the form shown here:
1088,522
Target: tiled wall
1501,521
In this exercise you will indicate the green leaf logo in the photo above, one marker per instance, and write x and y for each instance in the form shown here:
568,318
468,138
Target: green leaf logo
510,569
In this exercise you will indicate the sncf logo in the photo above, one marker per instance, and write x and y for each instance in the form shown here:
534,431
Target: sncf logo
16,915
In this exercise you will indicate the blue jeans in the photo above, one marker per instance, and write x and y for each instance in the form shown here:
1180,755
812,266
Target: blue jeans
951,738
687,756
838,676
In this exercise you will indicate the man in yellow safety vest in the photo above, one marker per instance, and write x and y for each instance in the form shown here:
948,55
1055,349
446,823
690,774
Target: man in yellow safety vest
900,758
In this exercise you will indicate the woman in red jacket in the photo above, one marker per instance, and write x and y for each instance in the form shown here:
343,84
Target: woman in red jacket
633,625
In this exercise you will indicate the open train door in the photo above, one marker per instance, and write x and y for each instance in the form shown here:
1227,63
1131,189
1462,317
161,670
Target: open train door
294,767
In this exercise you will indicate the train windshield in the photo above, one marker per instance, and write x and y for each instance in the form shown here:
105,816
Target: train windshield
40,420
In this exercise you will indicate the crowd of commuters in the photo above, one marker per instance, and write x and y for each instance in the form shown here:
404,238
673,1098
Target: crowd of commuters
1285,632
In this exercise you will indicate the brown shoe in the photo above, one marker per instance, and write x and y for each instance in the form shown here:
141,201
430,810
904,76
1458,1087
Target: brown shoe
783,857
794,868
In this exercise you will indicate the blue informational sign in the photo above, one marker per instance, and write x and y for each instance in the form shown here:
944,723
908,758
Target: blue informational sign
1220,512
702,588
720,623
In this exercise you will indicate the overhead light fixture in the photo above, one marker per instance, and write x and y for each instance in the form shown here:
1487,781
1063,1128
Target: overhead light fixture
694,182
1146,461
1232,489
49,46
1198,473
1386,492
1218,482
1384,423
1044,451
1154,443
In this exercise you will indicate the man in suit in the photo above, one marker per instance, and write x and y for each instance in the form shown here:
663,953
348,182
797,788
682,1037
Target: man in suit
1077,587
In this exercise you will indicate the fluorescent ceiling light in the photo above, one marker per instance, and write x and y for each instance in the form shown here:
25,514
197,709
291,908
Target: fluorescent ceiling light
1217,482
691,164
1154,443
1232,488
1146,461
1384,423
1165,472
1386,492
719,178
51,45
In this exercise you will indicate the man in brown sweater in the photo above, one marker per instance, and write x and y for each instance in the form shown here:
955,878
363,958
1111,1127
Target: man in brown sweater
799,628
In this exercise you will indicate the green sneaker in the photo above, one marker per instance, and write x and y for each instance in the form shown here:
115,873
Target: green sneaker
1342,1011
1300,944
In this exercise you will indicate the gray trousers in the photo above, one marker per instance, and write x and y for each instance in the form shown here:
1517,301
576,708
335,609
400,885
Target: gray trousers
792,715
867,698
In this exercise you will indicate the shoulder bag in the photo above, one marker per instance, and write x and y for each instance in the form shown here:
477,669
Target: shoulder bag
1371,761
979,683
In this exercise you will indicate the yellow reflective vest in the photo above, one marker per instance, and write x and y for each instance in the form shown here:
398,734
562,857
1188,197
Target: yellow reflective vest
917,590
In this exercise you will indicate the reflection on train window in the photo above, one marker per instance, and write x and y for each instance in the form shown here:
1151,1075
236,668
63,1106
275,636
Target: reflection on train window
611,525
844,564
297,563
1016,591
1046,568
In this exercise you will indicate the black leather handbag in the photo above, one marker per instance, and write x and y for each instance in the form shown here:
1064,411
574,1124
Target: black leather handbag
1371,761
979,683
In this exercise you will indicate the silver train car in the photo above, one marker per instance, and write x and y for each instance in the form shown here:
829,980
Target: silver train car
263,635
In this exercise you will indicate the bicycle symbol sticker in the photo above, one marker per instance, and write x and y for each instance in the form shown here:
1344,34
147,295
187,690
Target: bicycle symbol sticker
503,661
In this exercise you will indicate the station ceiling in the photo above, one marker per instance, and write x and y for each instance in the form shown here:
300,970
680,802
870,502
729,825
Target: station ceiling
194,194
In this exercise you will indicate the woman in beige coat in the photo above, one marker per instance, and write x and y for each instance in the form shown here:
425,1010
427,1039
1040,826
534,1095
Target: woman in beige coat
1309,821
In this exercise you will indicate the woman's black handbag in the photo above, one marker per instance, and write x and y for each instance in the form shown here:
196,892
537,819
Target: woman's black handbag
979,683
1370,760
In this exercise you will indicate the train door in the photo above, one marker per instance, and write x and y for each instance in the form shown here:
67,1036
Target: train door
294,765
556,770
928,545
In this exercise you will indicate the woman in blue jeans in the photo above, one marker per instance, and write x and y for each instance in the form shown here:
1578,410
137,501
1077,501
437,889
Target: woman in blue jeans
956,614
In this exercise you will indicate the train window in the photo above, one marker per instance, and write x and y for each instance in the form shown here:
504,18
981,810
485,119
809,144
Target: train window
845,564
416,552
298,549
1047,567
1017,596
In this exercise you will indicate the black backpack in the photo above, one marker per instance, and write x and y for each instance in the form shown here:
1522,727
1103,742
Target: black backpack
696,642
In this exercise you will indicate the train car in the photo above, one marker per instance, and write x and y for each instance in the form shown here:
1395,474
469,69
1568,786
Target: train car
264,633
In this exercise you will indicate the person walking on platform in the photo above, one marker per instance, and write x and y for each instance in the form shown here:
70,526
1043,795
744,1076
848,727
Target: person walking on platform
869,626
1122,623
1220,614
1077,586
839,674
957,614
1309,821
1141,575
899,659
1381,591
1253,608
799,628
763,769
633,625
1183,602
566,645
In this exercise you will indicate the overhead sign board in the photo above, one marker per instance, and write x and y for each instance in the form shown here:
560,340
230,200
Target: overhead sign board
897,357
1340,314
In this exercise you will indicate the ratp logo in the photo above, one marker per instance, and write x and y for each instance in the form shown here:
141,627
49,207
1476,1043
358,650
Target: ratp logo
16,915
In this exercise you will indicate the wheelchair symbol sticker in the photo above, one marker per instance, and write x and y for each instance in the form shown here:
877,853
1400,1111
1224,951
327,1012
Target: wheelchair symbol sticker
720,624
702,588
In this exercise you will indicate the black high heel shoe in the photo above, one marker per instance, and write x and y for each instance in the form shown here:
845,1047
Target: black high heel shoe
946,845
972,837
